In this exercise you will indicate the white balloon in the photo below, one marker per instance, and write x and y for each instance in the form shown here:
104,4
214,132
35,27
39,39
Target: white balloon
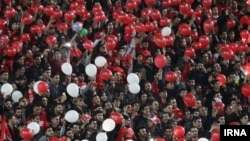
85,140
6,89
71,116
134,88
108,125
35,87
133,78
16,95
66,68
203,139
35,127
100,61
73,89
165,31
91,70
101,136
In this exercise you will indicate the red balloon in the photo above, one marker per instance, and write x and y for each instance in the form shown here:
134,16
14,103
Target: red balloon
131,5
69,15
81,11
155,14
117,117
184,29
145,13
184,8
215,135
110,45
129,29
48,10
127,37
208,26
160,139
80,1
139,27
245,90
234,123
4,39
233,47
88,44
57,13
112,38
160,41
230,23
164,21
244,20
246,69
43,87
51,40
204,40
25,37
10,12
105,74
189,1
222,79
26,19
53,139
169,41
242,47
160,61
176,2
150,2
220,107
244,34
227,53
179,131
181,139
62,27
39,8
207,4
189,52
26,134
170,76
73,5
10,51
189,100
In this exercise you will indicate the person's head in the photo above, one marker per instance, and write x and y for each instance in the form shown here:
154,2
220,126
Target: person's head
57,55
148,87
58,109
168,108
12,119
98,115
69,133
155,105
127,108
35,118
55,78
194,132
48,131
18,111
142,132
220,119
145,111
150,60
55,120
46,71
168,132
108,105
76,128
8,103
143,97
4,76
37,108
173,102
244,119
197,122
135,107
92,125
23,102
216,68
203,111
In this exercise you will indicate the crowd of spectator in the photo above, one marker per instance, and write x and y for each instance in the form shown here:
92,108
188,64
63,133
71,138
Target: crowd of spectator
28,56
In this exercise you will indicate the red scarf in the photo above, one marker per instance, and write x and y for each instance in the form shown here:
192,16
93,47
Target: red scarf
5,133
